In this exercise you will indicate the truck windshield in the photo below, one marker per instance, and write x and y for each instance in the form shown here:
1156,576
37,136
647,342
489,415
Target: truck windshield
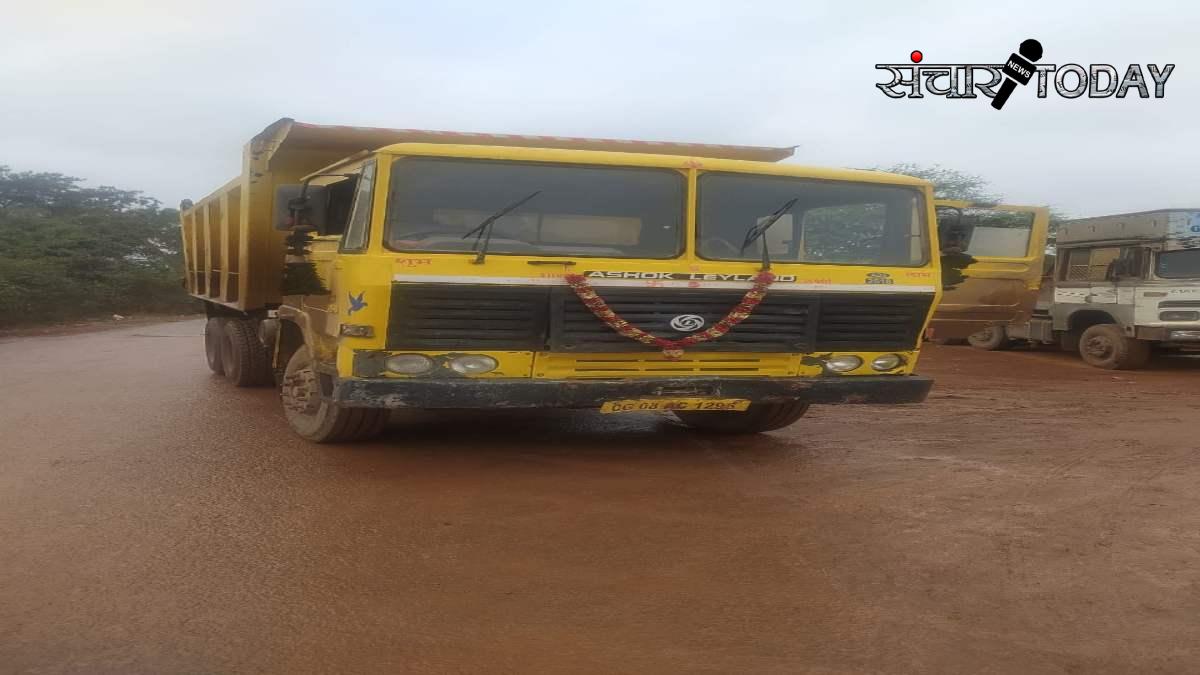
829,223
983,232
578,210
1179,264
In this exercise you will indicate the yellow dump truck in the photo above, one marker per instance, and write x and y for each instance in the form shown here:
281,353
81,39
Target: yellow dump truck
362,270
1003,251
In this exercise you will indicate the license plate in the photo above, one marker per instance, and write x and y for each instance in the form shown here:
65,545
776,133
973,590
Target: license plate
660,404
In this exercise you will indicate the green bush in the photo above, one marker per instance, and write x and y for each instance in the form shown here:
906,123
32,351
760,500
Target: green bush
71,252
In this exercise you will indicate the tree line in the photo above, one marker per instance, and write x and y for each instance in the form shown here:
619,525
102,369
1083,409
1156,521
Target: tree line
70,252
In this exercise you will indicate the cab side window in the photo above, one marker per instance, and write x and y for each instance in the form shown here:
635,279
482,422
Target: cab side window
1107,263
340,196
359,221
1130,265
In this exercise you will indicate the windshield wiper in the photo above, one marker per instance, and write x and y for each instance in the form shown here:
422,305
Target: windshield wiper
757,231
485,228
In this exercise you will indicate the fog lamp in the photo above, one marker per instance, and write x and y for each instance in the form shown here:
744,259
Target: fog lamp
473,364
409,364
887,362
843,364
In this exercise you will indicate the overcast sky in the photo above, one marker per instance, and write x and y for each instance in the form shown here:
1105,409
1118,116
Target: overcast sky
161,95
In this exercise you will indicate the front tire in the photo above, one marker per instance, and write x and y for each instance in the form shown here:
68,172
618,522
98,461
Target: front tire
320,420
758,418
990,339
1106,346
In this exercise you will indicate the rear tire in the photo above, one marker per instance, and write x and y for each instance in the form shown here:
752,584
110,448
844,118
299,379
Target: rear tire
214,335
990,339
320,420
243,356
758,418
1106,346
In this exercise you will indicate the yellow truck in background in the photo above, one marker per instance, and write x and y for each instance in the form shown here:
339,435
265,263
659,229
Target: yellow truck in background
363,270
1121,288
994,263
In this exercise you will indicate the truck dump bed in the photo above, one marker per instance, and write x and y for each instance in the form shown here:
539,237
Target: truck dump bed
233,255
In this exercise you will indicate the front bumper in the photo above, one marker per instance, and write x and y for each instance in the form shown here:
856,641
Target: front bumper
527,393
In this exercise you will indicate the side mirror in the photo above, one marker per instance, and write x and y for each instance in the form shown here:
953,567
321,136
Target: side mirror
301,207
950,232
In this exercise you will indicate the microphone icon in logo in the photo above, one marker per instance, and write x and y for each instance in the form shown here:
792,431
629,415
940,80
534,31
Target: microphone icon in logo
1018,70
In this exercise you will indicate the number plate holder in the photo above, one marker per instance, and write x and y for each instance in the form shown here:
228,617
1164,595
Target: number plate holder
665,404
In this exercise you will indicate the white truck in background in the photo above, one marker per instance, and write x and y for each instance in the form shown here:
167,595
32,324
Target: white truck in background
1124,286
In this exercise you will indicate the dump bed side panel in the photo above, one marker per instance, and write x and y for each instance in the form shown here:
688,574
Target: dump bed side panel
212,233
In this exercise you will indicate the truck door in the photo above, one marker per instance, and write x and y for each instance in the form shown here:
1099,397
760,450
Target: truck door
1110,275
349,201
1008,244
1099,277
1123,269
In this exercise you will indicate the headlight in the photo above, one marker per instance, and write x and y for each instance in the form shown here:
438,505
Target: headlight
474,364
1178,316
887,362
843,364
409,364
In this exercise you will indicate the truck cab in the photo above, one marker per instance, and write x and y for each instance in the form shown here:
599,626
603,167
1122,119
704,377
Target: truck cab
457,271
1128,284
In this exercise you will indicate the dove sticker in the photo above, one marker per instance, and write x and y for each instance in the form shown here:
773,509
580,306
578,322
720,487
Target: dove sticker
356,303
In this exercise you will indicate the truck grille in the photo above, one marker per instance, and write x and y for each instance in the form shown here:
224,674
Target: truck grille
780,324
448,316
874,323
530,318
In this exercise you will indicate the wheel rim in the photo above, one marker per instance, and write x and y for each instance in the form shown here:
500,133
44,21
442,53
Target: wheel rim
1099,347
301,393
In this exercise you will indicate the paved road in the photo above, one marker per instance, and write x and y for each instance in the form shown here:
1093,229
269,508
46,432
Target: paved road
1036,516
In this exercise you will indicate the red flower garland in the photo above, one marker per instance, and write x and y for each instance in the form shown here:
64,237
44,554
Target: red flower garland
672,349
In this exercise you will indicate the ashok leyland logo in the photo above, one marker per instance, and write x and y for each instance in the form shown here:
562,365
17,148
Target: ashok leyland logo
687,323
962,80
